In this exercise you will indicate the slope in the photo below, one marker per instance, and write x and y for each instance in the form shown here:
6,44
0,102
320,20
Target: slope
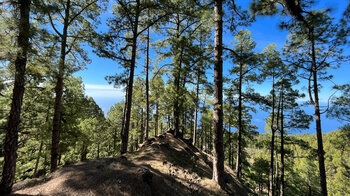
163,165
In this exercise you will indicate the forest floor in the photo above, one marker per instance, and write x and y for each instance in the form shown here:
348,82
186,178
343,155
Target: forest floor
163,165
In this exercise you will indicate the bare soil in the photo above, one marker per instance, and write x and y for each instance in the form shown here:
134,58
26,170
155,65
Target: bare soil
164,166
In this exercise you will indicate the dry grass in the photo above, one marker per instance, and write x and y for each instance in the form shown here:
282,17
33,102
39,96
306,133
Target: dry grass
178,169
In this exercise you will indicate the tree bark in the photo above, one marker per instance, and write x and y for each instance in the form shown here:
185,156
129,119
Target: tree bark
125,137
56,124
320,151
218,156
11,138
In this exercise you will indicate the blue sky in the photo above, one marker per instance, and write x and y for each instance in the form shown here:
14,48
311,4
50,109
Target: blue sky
264,31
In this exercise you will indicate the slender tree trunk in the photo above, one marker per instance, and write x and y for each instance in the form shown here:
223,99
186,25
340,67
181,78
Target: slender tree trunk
218,157
156,119
320,151
83,153
56,125
11,138
147,87
196,110
240,127
230,145
142,127
282,147
276,162
98,150
177,80
276,173
125,137
124,112
272,145
38,159
169,121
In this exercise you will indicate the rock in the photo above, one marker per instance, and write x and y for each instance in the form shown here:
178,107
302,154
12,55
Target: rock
145,174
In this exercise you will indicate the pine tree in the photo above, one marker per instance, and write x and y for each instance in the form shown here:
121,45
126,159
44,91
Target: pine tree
11,139
311,46
218,155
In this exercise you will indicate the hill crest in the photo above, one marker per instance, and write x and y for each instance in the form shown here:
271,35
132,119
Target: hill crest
163,165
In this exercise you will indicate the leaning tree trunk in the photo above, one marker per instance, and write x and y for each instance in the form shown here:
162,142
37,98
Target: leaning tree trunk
218,156
320,151
125,135
11,138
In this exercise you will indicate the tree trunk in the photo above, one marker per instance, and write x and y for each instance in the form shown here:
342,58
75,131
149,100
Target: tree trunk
196,110
229,147
11,138
240,127
147,87
277,127
218,156
38,159
282,147
320,151
142,131
56,124
276,173
272,146
177,80
83,153
156,119
125,137
98,150
124,112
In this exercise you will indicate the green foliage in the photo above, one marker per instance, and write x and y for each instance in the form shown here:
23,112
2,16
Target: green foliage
301,166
